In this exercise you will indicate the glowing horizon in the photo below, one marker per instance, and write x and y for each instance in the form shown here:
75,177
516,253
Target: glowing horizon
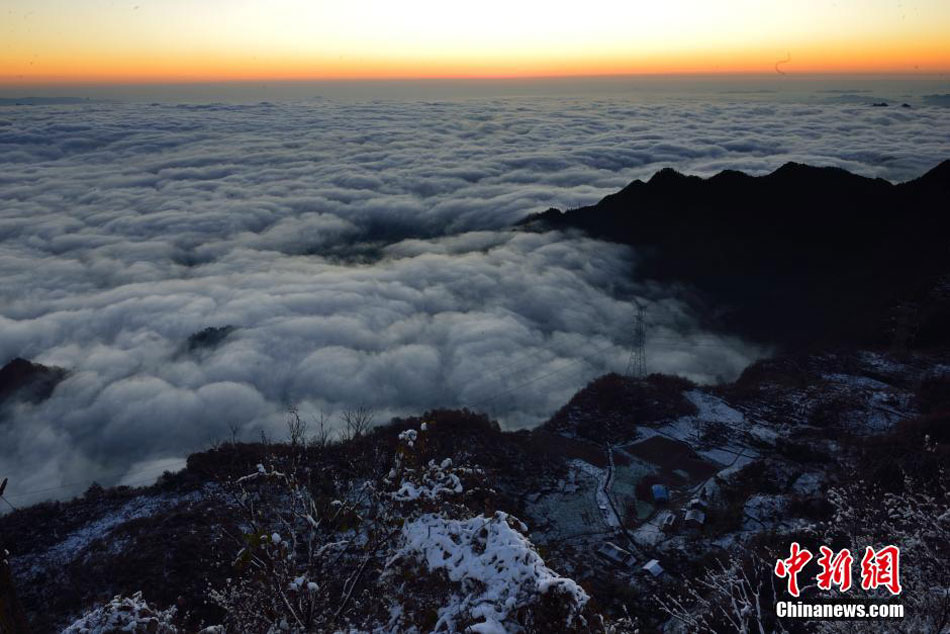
132,41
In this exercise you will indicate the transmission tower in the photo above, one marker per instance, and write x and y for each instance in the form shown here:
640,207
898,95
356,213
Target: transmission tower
637,363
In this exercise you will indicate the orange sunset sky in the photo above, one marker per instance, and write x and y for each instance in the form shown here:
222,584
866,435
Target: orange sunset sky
55,41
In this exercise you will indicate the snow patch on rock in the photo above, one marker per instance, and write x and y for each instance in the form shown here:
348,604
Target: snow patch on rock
496,566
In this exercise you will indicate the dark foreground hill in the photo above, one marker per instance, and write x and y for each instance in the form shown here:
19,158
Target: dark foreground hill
803,255
411,526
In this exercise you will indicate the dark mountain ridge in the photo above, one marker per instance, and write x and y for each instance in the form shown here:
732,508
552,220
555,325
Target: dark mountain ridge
28,381
804,255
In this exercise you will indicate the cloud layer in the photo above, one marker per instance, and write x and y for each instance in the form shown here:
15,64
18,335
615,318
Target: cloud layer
360,249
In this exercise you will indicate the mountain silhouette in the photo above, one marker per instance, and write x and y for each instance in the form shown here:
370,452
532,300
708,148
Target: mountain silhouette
28,381
804,255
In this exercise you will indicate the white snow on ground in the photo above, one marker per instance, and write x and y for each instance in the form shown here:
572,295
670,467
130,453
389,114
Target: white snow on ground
643,433
650,533
728,456
603,501
881,362
496,566
66,550
876,421
712,408
883,405
685,428
855,381
728,473
764,435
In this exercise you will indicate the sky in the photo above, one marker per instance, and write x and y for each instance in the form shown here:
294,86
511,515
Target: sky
64,41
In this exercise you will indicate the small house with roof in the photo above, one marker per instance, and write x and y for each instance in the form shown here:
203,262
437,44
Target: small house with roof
694,519
653,567
616,555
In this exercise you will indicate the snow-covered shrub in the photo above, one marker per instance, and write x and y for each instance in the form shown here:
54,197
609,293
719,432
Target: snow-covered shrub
499,583
435,481
302,552
424,485
125,614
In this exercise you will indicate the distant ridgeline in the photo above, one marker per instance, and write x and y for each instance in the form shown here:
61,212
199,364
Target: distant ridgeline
24,380
804,255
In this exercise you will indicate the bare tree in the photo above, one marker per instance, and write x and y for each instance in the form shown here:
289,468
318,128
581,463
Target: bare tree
321,437
357,421
296,427
234,429
735,595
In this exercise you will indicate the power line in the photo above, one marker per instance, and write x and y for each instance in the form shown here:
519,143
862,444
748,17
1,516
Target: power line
525,359
3,487
686,345
543,376
565,377
154,472
556,372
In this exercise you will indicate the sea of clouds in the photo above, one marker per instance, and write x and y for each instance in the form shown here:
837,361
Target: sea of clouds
361,250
